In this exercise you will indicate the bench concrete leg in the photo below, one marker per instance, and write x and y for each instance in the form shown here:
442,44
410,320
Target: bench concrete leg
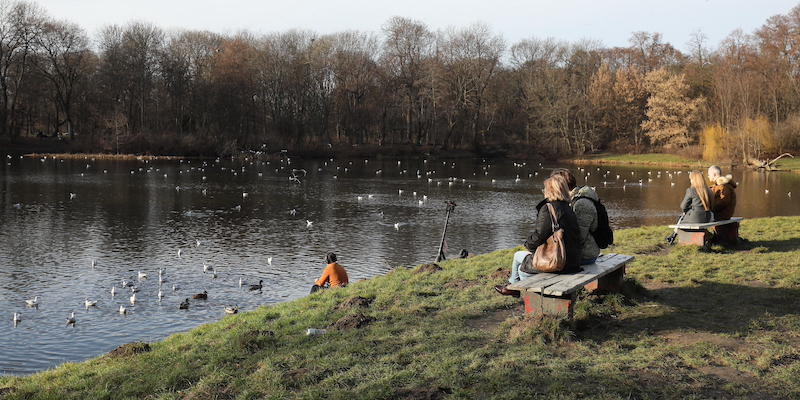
540,305
693,237
728,234
611,283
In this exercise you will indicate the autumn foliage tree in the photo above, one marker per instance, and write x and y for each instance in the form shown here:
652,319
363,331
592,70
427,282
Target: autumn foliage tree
671,113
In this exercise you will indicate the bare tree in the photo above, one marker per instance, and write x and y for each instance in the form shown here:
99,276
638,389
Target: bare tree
20,24
64,47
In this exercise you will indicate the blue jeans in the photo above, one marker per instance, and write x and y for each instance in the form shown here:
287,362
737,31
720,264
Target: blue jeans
516,274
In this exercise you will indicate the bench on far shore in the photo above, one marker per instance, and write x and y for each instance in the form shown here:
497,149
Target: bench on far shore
554,294
698,234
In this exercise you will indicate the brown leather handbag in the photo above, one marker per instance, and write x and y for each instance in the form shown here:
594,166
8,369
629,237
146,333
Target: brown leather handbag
551,256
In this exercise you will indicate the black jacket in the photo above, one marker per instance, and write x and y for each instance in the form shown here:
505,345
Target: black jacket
543,228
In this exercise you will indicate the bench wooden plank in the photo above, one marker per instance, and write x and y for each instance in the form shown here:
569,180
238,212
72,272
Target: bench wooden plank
541,280
537,281
706,224
596,270
591,273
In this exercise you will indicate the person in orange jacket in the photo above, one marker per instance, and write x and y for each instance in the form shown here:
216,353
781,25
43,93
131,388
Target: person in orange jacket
334,274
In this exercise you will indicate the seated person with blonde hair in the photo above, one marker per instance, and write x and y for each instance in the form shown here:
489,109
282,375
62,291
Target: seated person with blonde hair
556,193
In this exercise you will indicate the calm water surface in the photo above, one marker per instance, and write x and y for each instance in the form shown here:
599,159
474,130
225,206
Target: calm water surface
132,216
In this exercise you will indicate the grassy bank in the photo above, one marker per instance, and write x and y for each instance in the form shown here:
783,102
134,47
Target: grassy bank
654,159
791,164
692,324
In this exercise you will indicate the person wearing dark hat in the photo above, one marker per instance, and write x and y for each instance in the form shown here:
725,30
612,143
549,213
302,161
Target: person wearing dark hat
334,274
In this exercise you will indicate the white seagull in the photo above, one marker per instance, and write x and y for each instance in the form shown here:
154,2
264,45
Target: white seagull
32,302
89,303
309,223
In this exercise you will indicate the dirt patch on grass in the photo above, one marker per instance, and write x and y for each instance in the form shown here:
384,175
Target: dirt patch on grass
351,321
354,302
656,250
427,268
490,320
461,284
424,393
129,349
255,340
727,374
692,338
295,378
500,273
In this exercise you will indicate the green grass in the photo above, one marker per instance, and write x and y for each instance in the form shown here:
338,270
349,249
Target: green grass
691,323
792,164
656,159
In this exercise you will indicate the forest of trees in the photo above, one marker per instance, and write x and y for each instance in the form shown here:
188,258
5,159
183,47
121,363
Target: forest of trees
139,88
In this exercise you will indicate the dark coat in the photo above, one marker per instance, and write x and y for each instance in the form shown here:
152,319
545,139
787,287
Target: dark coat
543,229
724,198
693,207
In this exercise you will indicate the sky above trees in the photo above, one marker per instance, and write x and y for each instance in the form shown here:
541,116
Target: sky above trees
609,21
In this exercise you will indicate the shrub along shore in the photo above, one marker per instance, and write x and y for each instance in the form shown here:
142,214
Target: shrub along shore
691,323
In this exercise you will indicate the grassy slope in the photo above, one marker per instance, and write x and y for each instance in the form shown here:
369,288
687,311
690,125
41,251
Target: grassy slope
710,324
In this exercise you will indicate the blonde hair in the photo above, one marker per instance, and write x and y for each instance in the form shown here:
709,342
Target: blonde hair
699,185
555,188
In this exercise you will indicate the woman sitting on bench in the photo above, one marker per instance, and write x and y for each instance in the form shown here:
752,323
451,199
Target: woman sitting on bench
556,193
724,190
698,201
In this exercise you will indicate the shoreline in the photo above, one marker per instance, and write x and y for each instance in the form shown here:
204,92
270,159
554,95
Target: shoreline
400,334
644,160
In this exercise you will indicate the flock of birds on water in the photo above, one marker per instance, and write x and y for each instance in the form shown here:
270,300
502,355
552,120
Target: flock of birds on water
296,176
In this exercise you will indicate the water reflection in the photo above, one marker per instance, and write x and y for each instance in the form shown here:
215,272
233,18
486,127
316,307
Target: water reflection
133,215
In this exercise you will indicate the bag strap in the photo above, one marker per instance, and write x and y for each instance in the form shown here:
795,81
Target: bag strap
553,218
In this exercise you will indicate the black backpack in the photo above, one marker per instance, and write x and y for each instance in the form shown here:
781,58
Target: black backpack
603,235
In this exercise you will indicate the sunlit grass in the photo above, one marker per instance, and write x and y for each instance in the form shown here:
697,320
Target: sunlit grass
712,323
792,164
660,159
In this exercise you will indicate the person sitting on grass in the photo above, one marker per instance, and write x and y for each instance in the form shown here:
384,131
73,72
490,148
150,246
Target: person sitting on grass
334,274
557,193
698,201
724,191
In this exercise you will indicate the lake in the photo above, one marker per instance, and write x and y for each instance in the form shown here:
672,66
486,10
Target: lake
59,217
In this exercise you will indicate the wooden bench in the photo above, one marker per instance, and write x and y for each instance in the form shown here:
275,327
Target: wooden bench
554,294
698,234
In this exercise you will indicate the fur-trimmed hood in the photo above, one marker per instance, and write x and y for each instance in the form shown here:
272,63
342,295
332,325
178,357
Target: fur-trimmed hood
725,180
585,191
